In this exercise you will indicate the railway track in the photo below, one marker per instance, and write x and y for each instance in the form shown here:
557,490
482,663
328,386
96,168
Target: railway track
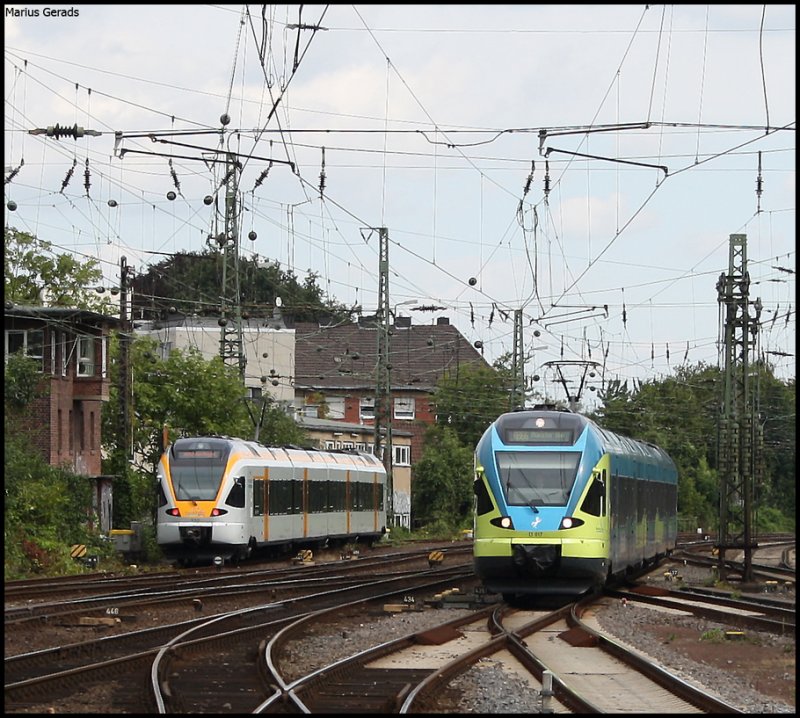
51,674
582,670
250,671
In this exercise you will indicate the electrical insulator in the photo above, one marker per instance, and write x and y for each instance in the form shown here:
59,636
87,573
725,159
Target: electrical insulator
59,131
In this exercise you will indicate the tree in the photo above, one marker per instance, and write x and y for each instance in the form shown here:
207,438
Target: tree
680,414
189,282
441,492
35,275
181,395
469,399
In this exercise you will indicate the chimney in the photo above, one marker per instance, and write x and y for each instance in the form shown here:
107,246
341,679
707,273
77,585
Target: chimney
402,322
442,320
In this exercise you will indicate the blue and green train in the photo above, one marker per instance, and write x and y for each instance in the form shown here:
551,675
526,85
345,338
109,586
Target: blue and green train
562,505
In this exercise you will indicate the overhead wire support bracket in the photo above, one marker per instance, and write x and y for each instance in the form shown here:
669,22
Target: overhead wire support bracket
607,159
544,134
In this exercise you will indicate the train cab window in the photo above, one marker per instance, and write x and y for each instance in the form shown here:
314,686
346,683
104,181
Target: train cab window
537,478
197,468
595,501
236,494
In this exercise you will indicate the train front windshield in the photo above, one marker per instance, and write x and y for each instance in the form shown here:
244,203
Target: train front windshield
197,468
537,478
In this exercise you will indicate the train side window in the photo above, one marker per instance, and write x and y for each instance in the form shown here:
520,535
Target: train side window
162,497
258,497
280,497
236,494
594,502
336,495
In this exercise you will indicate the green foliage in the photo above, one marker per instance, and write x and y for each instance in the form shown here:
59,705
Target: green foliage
441,490
189,282
36,275
713,635
469,399
45,512
182,394
22,380
680,414
278,429
769,519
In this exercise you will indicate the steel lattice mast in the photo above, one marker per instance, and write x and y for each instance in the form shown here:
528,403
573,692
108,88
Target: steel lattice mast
738,433
231,347
383,386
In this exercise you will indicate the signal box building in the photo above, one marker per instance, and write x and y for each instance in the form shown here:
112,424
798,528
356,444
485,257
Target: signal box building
63,423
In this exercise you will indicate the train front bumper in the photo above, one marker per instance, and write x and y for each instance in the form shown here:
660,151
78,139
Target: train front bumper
540,565
193,537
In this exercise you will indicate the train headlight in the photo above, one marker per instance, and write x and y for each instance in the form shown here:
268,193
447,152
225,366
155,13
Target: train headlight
173,512
218,512
568,522
504,522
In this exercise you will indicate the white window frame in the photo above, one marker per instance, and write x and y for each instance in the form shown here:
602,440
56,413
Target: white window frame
65,351
404,408
85,352
26,345
402,455
104,357
366,407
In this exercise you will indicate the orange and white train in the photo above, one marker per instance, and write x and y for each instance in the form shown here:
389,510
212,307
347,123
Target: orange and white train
222,498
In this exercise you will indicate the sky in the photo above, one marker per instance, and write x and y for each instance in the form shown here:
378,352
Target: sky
579,167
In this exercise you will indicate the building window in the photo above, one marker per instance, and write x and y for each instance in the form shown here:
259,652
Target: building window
335,407
29,341
402,455
85,356
254,392
311,410
404,408
367,407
